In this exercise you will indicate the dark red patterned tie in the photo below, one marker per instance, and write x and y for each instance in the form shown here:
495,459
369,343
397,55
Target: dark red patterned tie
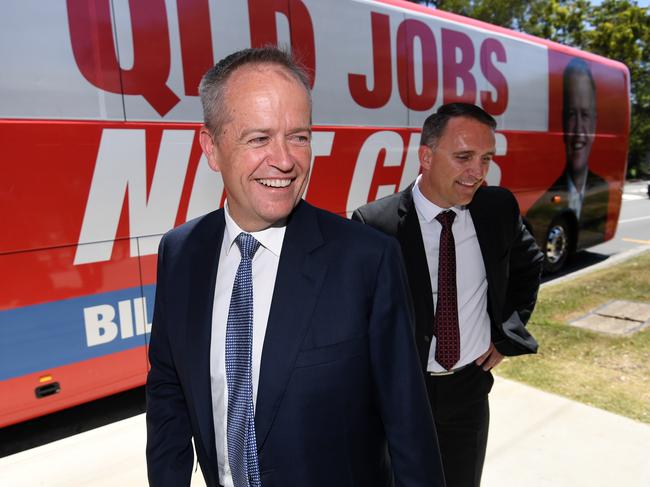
445,322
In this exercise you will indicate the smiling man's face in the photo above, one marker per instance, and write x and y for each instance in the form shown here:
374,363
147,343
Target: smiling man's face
263,149
455,167
579,123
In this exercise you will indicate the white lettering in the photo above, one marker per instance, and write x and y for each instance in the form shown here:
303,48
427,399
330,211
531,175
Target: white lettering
207,190
100,327
157,213
142,324
321,145
126,319
493,177
121,169
412,163
393,145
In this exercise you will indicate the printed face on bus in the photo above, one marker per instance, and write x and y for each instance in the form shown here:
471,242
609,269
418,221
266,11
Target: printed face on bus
455,167
580,122
263,148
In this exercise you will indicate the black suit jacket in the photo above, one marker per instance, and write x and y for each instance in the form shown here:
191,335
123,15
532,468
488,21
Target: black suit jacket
593,216
339,369
513,263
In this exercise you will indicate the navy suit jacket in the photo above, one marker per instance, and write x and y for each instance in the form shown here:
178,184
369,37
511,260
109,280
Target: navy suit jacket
341,399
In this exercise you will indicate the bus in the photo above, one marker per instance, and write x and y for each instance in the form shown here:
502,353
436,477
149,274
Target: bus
99,123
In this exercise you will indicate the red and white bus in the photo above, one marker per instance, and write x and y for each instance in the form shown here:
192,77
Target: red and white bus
100,154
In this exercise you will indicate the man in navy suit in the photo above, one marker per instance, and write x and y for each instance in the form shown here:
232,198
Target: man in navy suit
334,379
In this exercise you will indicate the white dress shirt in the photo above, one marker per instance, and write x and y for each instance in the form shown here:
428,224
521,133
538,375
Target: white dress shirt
264,268
471,282
576,196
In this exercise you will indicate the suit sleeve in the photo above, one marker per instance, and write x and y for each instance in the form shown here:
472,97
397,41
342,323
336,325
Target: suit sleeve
401,392
526,262
169,448
522,279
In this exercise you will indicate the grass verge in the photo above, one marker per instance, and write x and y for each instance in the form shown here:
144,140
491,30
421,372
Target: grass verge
608,372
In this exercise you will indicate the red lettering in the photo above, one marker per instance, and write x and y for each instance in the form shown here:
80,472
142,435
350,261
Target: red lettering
457,69
91,35
264,29
196,42
406,34
495,105
381,60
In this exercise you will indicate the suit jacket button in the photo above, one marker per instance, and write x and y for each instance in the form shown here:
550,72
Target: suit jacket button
427,338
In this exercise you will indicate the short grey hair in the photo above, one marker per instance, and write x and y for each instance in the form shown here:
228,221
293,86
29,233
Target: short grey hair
212,86
435,124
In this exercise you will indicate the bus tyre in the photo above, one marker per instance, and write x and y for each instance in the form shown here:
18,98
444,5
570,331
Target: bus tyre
558,244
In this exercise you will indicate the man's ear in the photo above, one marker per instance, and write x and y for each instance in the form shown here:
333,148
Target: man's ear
425,154
209,147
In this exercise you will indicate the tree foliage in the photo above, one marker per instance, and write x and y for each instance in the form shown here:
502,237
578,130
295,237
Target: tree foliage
616,29
621,30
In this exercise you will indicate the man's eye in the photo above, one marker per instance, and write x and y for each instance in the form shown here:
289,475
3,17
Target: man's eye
258,140
300,139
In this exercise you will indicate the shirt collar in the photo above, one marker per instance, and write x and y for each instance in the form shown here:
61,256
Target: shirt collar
572,187
427,209
270,238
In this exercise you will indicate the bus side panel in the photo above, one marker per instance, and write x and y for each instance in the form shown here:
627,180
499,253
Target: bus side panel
75,172
102,184
79,383
83,293
90,193
453,62
41,78
83,328
374,63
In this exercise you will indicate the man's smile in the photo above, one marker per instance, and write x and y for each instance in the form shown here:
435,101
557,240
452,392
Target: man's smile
275,183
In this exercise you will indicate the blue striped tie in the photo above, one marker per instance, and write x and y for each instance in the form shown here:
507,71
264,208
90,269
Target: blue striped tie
242,446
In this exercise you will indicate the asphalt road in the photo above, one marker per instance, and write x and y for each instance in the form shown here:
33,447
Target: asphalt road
634,222
633,231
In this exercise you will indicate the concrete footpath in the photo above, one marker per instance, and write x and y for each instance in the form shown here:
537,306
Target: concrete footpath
541,439
536,439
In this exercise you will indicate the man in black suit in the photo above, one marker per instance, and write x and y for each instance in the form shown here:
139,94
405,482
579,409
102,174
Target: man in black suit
579,198
474,272
282,340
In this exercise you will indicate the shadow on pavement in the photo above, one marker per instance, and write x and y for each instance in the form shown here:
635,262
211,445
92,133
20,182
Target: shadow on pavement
69,422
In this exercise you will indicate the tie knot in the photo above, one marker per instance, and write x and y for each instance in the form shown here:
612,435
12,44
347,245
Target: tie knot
446,218
247,245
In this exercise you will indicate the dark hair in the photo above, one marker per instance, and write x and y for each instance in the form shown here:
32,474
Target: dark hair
435,124
211,88
575,67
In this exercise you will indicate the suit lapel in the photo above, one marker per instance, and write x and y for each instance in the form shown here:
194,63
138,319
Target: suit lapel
297,285
203,271
409,235
483,226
